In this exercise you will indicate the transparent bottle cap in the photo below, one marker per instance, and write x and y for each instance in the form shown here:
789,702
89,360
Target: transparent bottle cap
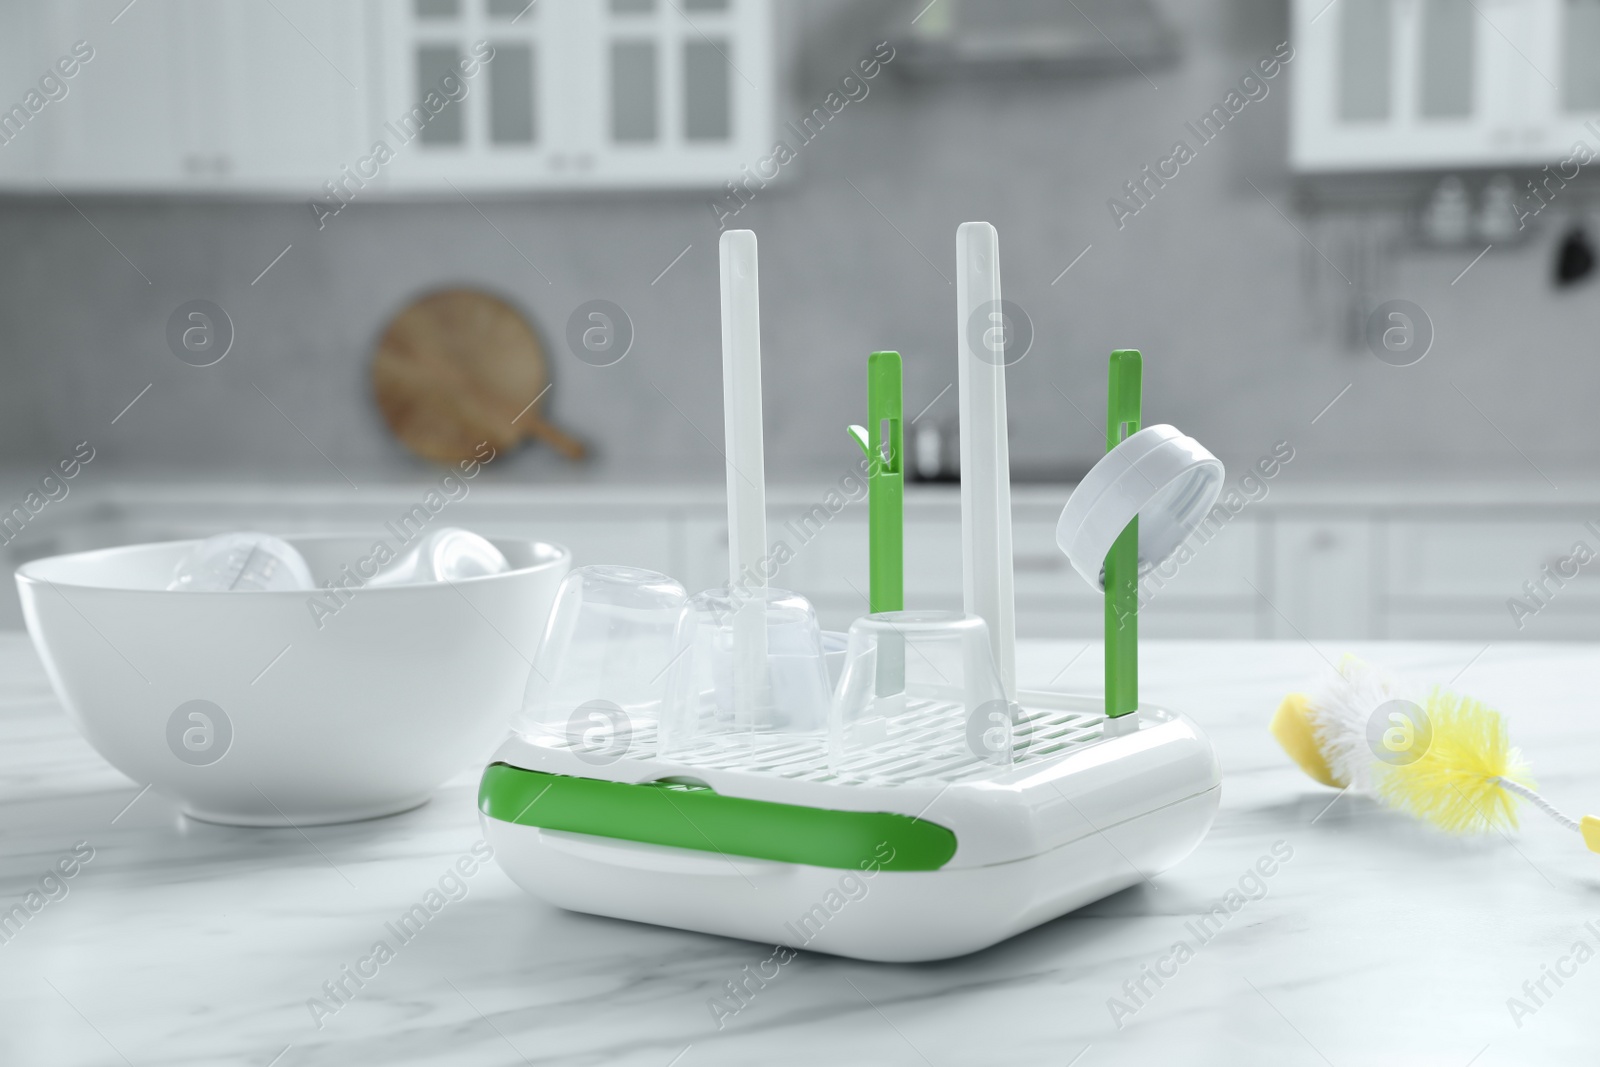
601,672
244,561
444,555
921,685
747,664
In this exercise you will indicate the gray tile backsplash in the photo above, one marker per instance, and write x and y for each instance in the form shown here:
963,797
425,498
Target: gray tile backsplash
1241,320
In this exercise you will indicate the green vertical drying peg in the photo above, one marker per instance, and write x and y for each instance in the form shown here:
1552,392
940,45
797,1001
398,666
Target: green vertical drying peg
886,508
883,443
886,483
1122,562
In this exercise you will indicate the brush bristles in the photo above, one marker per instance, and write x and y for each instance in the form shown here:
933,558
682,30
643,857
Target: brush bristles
1339,719
1456,783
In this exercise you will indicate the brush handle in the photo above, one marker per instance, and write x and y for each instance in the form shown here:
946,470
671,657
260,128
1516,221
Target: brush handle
1539,802
1123,404
746,470
987,589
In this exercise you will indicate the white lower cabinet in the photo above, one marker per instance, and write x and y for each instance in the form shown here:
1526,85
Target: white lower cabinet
1508,578
1319,569
1321,585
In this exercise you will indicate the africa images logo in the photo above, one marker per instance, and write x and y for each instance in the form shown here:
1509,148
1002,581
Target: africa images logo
199,733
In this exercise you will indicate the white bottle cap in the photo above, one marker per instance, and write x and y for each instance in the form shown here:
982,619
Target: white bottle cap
1167,480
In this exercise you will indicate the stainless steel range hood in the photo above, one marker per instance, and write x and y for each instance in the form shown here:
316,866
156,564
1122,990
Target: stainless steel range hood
1061,37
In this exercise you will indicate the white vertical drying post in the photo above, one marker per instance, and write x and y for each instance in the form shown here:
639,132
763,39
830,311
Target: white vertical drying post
746,463
986,576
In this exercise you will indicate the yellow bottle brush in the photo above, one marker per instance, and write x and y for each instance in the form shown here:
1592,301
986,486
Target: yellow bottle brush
1448,760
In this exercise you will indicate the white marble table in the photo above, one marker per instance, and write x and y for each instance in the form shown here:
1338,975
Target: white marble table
1378,942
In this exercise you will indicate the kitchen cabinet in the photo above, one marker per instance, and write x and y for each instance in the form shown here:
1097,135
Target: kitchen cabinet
1418,84
188,96
1490,559
1321,579
293,97
24,59
283,90
1501,579
581,93
500,123
1330,563
1567,102
107,134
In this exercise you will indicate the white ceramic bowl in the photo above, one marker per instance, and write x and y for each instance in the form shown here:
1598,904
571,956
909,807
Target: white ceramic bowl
245,710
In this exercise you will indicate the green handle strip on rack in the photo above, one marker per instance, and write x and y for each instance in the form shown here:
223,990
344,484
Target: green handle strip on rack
1122,562
886,483
698,817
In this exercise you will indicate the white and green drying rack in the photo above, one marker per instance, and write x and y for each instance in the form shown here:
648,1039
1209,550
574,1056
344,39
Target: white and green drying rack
917,844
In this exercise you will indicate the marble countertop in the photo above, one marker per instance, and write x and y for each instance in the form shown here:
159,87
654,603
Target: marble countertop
1377,941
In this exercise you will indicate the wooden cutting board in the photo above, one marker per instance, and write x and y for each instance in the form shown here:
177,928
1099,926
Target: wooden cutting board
460,367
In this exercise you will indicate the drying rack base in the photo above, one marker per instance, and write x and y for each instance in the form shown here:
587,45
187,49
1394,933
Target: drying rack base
886,916
1086,812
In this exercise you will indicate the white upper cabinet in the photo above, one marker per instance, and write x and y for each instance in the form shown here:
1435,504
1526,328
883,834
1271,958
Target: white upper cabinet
21,68
1568,101
129,121
578,93
191,95
469,92
283,97
287,90
1417,84
682,89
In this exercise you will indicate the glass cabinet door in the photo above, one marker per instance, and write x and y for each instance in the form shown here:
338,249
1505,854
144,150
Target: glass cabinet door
1447,63
468,89
1569,109
682,90
650,92
1392,84
1580,56
1365,58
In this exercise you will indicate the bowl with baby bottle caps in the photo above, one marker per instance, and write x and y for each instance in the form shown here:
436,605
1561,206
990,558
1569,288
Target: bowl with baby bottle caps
268,682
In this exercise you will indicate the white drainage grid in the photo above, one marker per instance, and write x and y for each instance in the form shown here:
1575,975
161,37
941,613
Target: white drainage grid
927,742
